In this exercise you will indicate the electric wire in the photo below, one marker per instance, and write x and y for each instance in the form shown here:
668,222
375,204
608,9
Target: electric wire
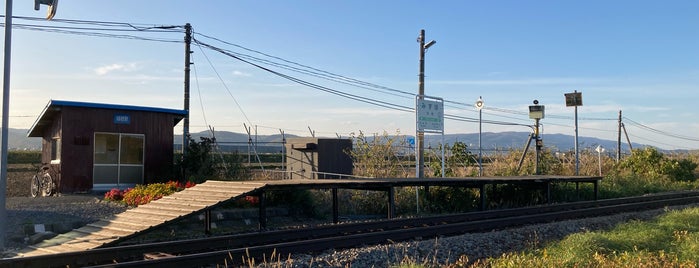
309,84
99,23
344,94
201,102
658,142
318,74
240,108
315,72
668,134
293,66
93,34
311,68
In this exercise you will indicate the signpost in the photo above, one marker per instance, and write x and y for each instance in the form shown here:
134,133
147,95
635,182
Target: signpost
429,118
575,99
479,106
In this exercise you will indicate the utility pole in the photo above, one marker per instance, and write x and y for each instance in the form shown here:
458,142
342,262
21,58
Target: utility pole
420,149
187,63
618,141
5,124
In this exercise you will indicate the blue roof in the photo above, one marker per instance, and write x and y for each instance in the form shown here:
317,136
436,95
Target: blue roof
114,107
54,105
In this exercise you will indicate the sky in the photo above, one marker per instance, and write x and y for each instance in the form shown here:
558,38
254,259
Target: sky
637,57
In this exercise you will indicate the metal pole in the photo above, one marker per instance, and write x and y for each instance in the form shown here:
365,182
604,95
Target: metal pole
577,157
283,154
599,160
5,124
443,159
187,63
537,171
421,91
480,148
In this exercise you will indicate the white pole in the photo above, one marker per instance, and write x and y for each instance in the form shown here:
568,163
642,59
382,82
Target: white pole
480,148
479,107
577,157
599,150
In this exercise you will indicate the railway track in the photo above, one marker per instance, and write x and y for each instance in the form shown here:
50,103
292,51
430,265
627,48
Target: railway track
232,248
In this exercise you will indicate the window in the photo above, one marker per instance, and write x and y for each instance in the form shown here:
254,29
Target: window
55,150
118,159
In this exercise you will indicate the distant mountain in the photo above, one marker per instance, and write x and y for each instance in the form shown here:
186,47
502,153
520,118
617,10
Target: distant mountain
504,140
17,140
231,141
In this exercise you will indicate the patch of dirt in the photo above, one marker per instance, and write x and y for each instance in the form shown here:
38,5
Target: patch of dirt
19,179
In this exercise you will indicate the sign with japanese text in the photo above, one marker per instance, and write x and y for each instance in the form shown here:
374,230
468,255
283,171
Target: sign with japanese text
430,114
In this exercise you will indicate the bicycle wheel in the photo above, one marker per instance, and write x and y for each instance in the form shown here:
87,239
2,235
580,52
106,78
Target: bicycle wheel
46,185
36,184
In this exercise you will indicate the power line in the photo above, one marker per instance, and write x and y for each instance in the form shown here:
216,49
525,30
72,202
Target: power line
301,68
103,26
309,84
348,95
664,133
224,84
314,70
133,26
101,30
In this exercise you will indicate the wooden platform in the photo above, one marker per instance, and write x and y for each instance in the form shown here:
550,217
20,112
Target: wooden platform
144,218
208,195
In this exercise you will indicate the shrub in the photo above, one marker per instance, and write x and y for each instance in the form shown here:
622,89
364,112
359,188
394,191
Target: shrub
378,156
681,170
114,195
651,163
202,162
143,194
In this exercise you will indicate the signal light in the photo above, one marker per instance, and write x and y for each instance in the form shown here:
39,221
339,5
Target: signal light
53,5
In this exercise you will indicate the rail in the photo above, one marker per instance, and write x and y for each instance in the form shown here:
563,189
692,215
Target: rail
213,250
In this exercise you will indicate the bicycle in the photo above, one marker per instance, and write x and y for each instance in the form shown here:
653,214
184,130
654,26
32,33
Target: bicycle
42,183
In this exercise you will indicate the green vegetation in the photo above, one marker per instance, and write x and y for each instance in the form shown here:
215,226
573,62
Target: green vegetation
144,194
379,156
24,157
671,240
202,163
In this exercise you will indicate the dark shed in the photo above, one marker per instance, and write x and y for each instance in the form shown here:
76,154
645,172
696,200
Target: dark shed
318,158
102,146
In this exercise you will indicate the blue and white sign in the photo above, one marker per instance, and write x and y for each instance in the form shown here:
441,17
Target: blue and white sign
122,119
411,141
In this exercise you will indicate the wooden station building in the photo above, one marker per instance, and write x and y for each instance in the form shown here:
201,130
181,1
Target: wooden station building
96,146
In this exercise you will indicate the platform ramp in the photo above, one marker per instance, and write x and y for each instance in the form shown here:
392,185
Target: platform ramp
144,218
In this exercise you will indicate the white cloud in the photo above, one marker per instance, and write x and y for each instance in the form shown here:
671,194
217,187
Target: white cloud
526,81
106,69
243,74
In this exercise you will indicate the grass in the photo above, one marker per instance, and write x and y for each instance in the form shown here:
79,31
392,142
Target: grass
671,240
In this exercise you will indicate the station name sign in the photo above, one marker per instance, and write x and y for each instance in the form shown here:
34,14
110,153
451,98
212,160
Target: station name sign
430,114
122,119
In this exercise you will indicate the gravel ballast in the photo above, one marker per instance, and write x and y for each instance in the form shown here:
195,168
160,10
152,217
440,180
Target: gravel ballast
66,212
56,214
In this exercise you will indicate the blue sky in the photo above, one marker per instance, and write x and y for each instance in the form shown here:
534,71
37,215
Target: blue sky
641,57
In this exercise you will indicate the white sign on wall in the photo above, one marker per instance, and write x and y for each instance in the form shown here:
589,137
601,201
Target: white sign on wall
430,114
